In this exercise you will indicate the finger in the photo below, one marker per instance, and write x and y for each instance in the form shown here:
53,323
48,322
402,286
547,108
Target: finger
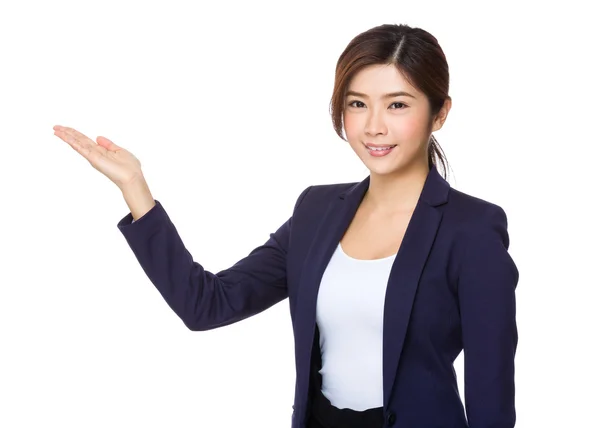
82,139
107,144
73,137
88,151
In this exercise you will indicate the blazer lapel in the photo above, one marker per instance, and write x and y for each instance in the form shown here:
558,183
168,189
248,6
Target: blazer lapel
403,280
333,225
406,272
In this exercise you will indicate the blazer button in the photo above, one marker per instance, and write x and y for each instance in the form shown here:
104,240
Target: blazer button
391,418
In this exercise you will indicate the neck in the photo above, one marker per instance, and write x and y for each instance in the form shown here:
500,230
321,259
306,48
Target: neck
396,192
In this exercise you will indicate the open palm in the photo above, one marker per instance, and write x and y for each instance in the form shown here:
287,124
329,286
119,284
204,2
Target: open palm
118,164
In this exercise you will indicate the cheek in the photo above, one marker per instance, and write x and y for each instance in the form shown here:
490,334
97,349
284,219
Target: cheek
352,125
408,129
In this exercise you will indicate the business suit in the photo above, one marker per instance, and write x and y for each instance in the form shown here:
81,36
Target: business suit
452,285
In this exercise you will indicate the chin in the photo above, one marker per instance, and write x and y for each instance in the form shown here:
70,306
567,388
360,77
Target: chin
392,165
382,173
382,169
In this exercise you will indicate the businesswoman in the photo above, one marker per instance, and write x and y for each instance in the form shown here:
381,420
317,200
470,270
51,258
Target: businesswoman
388,279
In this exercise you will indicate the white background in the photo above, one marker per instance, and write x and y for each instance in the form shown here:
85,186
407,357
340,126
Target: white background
226,105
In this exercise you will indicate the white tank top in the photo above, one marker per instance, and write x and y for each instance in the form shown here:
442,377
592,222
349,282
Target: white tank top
350,320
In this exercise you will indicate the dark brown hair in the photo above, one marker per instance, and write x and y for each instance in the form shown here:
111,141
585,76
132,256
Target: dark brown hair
417,56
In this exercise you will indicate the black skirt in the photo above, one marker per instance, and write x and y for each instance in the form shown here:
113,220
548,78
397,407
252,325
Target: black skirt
323,414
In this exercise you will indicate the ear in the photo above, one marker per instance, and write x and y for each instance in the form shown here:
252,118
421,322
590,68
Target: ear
442,115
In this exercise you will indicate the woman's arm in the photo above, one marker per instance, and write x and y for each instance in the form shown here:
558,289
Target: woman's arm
486,289
205,300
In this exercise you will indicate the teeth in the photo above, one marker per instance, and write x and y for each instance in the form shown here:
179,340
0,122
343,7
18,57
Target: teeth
380,148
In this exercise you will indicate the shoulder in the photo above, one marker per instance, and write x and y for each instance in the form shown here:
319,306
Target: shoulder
320,194
477,222
470,211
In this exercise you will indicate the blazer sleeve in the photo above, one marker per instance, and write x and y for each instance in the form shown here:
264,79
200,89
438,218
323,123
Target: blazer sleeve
205,300
486,289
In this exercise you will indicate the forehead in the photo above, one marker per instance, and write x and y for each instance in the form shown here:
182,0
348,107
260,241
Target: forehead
377,80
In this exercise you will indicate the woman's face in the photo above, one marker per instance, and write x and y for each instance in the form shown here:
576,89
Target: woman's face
383,110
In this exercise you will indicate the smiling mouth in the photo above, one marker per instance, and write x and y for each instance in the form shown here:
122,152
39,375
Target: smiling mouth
379,151
380,148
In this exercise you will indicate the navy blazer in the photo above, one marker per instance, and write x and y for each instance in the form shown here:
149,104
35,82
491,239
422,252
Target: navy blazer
451,287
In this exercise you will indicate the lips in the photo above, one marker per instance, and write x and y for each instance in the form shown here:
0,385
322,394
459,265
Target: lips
380,146
379,150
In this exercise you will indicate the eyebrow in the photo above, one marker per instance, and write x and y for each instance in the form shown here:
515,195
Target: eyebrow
390,95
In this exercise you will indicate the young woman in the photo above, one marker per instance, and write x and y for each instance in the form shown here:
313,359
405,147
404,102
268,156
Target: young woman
388,279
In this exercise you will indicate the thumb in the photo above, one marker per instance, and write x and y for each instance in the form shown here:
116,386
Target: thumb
107,144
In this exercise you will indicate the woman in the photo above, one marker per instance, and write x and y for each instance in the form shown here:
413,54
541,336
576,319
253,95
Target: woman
388,279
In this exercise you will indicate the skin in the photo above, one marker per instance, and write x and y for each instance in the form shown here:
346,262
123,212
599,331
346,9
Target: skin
396,180
116,163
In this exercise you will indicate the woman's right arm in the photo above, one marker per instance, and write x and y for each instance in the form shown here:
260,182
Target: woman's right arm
202,299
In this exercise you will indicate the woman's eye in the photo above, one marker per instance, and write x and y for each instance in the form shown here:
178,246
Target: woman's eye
399,104
353,103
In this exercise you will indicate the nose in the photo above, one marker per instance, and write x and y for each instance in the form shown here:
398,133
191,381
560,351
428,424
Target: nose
375,124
